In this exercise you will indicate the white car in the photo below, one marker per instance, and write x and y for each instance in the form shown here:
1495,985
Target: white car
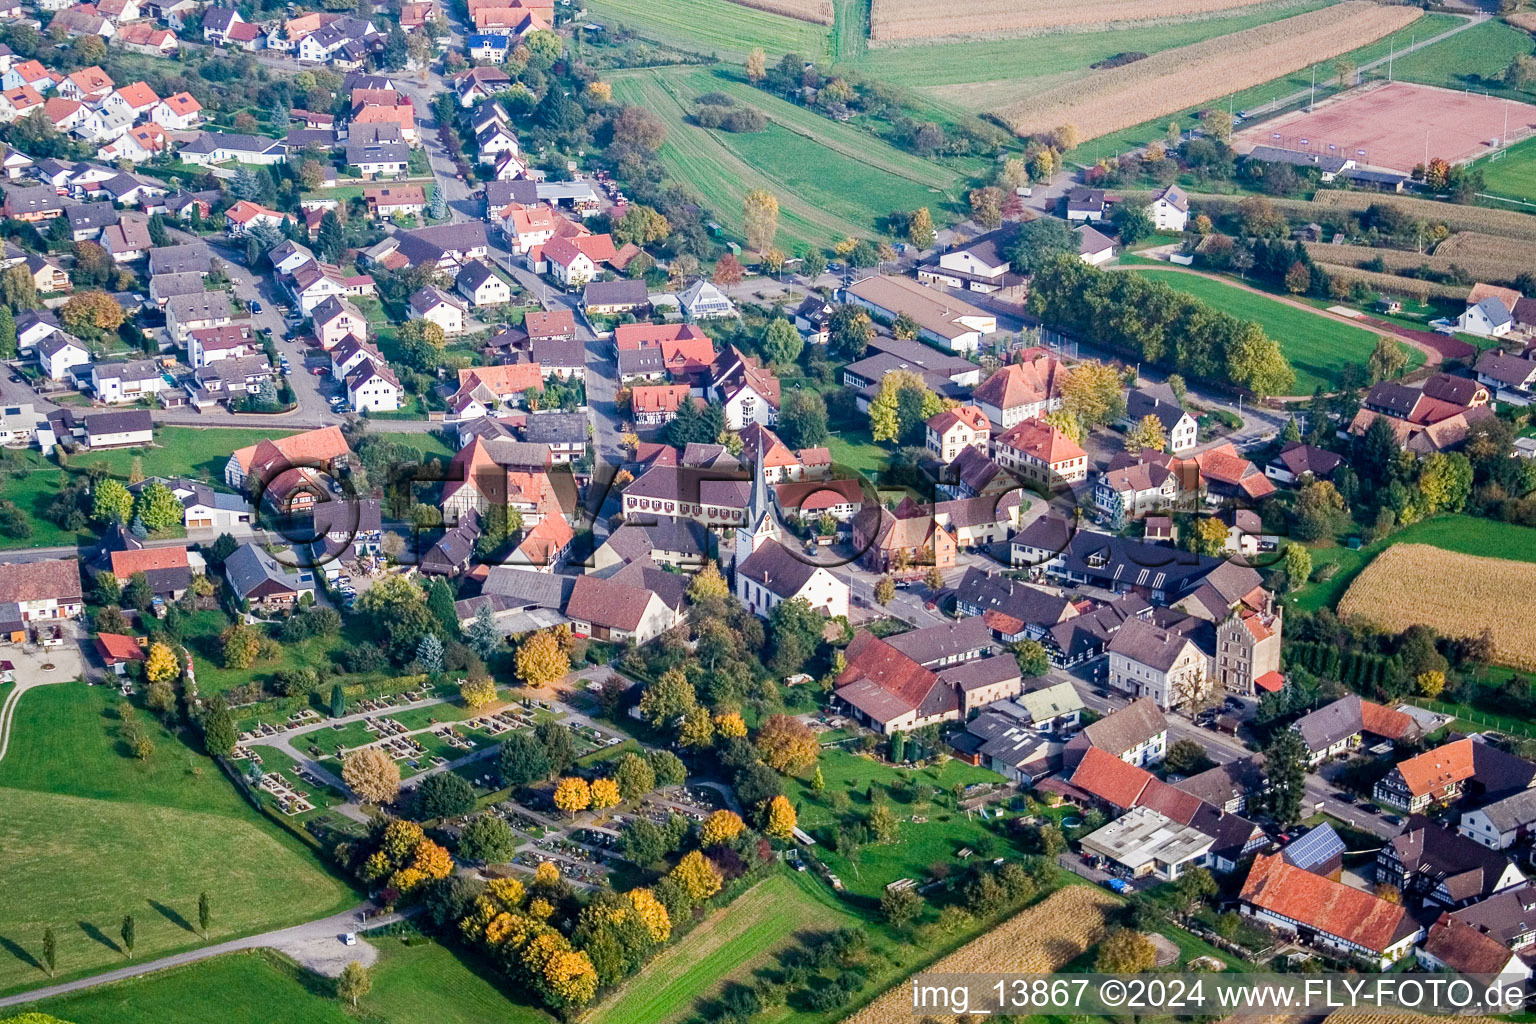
349,939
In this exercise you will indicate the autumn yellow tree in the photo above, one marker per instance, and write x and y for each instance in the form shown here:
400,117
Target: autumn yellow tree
1147,432
708,583
570,978
697,729
478,692
605,794
668,698
721,827
161,665
547,875
730,725
697,875
1066,423
1091,391
371,774
884,420
781,818
540,660
572,794
91,312
600,91
787,744
761,208
652,914
757,65
1430,683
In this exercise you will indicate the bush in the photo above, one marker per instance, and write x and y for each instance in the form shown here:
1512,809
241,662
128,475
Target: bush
362,658
744,119
444,795
313,622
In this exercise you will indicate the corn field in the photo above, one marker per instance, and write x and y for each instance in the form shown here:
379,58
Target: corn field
1037,941
1481,268
1475,245
899,20
1172,80
1505,223
1393,284
818,12
1454,594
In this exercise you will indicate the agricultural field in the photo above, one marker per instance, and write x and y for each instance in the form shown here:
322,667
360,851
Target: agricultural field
1484,266
832,181
1041,939
897,20
818,12
1513,173
1166,82
1474,59
411,983
1318,346
726,946
106,834
727,30
1504,223
1407,585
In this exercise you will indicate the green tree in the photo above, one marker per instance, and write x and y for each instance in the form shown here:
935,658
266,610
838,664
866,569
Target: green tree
50,950
559,745
781,342
523,760
219,733
157,507
332,241
1286,760
111,502
483,637
1186,757
444,795
1254,360
1297,561
1132,222
487,838
803,419
7,333
338,701
1387,360
204,913
1039,241
668,699
128,933
668,767
1032,657
900,907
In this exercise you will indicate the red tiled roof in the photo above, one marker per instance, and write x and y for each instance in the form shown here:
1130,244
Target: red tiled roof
1324,905
1271,682
507,379
1110,779
970,415
126,563
1435,769
658,397
316,446
1039,440
115,647
57,578
1388,723
869,657
1021,383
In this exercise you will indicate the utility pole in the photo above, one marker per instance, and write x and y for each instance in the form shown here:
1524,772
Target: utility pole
1313,101
1391,45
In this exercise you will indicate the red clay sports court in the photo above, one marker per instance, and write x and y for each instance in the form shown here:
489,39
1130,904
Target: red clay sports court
1391,122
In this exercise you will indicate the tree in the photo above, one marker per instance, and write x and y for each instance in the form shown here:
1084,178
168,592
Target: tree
779,821
697,875
158,507
559,744
1254,361
986,206
781,342
541,661
487,838
885,590
668,699
161,666
1124,951
761,209
1387,360
91,313
50,950
1286,759
7,334
813,264
1209,536
338,700
478,692
901,405
803,419
429,653
728,271
1217,124
1195,886
1032,657
1186,757
668,767
572,794
1037,242
605,794
128,932
18,288
1318,510
635,777
757,65
721,827
482,636
355,982
1147,432
1132,222
1091,391
219,733
522,760
708,585
787,744
1297,562
900,907
920,231
371,774
111,502
696,729
444,795
638,127
204,913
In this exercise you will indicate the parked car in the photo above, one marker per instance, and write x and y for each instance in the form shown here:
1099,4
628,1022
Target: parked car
349,939
255,307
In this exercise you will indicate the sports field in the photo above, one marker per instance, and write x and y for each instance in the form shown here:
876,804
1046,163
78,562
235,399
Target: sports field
726,946
1474,59
1318,346
90,834
1514,173
831,180
1387,126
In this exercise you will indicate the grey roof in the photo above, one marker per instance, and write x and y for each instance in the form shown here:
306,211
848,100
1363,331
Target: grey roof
556,427
1513,812
634,541
39,199
1226,782
1299,458
359,153
776,569
1091,240
203,306
118,422
1127,728
1146,644
299,138
84,216
57,342
208,142
641,361
1275,155
474,274
499,194
168,285
1176,198
174,259
1431,856
1085,199
980,672
933,644
1154,400
1494,309
1506,916
616,293
248,567
528,589
134,370
559,352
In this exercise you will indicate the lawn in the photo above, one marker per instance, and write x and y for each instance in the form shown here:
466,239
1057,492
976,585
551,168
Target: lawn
1514,173
427,444
200,634
1318,346
411,984
197,452
1474,59
729,31
726,946
826,190
1463,534
91,834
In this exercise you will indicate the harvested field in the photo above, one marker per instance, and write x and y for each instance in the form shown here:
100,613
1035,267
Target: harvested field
1455,594
1523,19
902,20
1039,940
1385,125
1166,82
817,12
1490,268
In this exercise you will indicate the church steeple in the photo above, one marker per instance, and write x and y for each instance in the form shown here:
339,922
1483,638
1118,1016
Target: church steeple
761,525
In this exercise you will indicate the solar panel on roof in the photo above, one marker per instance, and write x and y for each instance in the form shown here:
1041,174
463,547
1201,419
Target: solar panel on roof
1315,847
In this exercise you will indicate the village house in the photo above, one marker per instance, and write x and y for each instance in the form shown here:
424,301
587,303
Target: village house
1446,773
1329,914
892,685
951,324
1136,734
1339,727
1164,664
258,580
42,590
978,266
1434,866
952,431
1036,451
1021,391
